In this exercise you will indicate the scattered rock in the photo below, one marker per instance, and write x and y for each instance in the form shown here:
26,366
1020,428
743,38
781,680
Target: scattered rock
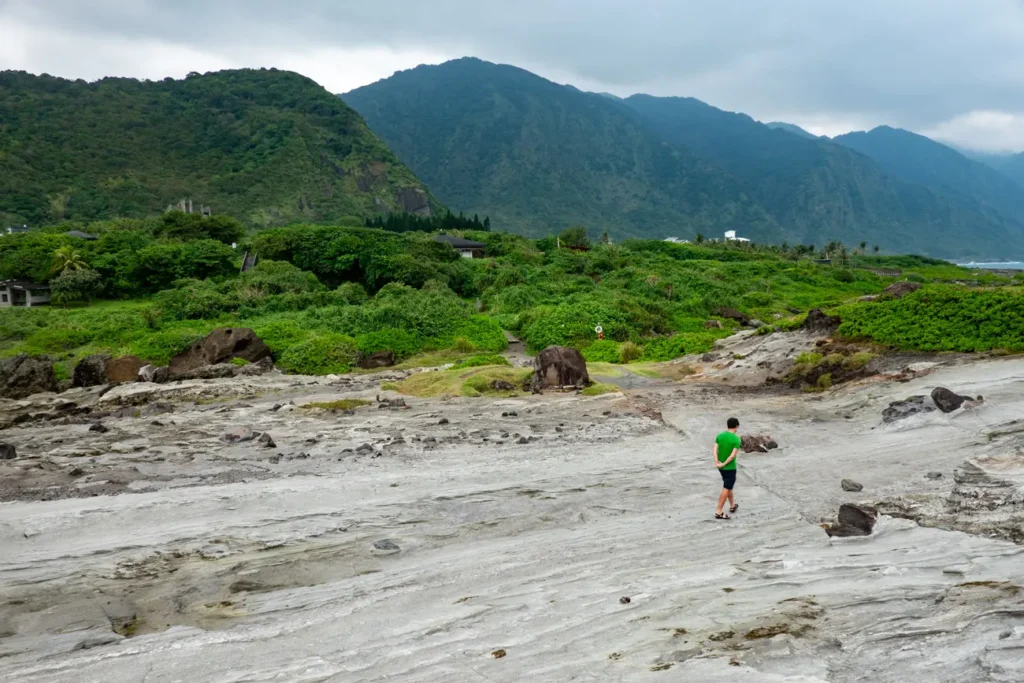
851,486
624,600
76,472
267,440
869,298
100,428
260,367
898,290
946,400
124,369
91,371
898,410
755,323
22,376
220,346
391,403
934,475
364,449
818,322
854,520
153,373
443,421
758,444
127,411
498,654
559,366
708,358
510,413
238,435
502,385
8,451
732,314
378,359
712,324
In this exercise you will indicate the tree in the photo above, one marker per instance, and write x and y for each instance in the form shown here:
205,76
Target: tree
575,236
66,258
700,238
75,285
605,239
863,246
875,248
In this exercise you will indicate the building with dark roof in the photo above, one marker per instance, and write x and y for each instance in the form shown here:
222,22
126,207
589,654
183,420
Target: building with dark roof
466,248
23,293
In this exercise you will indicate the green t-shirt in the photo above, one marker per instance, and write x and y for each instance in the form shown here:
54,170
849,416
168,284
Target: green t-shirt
727,441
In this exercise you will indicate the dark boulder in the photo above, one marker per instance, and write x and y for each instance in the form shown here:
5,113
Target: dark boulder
851,486
818,322
854,520
732,314
91,371
22,376
377,359
220,346
946,400
125,369
8,451
559,366
757,444
898,410
898,290
260,367
99,428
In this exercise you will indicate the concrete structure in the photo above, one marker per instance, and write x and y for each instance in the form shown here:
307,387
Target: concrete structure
15,230
730,236
23,293
466,248
676,240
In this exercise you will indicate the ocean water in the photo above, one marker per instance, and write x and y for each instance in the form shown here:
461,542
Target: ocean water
995,265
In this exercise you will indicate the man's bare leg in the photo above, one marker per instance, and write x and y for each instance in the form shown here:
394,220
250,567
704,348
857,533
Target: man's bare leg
722,497
732,501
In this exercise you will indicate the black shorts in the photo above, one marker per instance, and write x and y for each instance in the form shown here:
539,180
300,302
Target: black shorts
728,479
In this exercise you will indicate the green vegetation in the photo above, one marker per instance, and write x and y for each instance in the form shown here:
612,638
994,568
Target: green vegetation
463,382
942,318
323,296
598,389
342,404
267,146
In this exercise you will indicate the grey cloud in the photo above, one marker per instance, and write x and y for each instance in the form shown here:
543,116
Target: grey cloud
915,63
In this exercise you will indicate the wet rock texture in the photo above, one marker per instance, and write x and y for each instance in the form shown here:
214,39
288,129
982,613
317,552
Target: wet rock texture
22,376
220,346
559,366
566,533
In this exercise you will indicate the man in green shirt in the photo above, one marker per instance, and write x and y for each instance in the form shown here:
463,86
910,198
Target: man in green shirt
725,452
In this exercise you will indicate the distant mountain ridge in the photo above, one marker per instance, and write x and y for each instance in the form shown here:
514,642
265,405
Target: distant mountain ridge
266,146
791,128
537,156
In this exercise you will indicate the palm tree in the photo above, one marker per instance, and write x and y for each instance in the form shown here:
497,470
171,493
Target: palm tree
66,258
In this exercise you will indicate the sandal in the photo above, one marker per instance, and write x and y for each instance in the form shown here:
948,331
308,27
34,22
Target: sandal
734,508
722,515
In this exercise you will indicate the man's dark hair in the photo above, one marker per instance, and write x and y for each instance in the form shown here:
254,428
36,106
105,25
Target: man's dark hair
733,423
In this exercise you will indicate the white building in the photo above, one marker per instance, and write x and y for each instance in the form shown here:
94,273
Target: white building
23,293
730,236
676,240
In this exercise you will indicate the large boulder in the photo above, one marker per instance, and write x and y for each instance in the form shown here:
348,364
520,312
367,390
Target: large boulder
898,290
124,369
818,322
91,371
559,366
22,376
377,359
153,373
220,346
946,400
732,314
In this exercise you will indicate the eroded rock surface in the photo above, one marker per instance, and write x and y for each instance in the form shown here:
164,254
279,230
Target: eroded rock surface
220,346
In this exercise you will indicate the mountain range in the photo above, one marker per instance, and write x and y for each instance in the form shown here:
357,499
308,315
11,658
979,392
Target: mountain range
538,156
266,146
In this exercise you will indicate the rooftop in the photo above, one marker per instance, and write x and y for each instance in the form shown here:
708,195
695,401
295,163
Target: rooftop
23,284
458,242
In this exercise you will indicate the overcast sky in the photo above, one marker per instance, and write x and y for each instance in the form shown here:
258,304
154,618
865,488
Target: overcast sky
952,69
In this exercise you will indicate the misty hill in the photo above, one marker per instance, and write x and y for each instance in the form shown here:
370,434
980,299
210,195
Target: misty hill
791,128
822,191
266,146
1010,165
537,156
921,160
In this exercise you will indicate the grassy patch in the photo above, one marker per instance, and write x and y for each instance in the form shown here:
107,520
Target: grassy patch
341,404
464,382
599,389
605,370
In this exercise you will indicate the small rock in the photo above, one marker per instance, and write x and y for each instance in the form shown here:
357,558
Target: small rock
756,324
158,408
238,435
267,440
364,448
522,440
386,547
443,421
946,400
854,520
898,410
274,459
8,452
277,407
758,444
712,324
934,475
624,600
76,472
498,654
100,428
851,486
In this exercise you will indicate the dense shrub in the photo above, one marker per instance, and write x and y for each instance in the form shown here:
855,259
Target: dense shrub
602,351
402,342
481,361
320,354
681,345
